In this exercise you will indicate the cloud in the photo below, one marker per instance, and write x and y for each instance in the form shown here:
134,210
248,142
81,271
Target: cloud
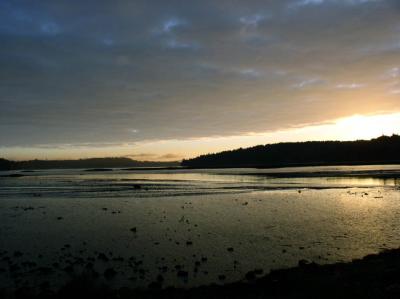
350,86
308,83
394,72
307,2
180,70
176,44
301,3
171,24
252,20
155,157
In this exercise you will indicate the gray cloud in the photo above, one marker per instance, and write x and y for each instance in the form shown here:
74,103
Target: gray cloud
126,71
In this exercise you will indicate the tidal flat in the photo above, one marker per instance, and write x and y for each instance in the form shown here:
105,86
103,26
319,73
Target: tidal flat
188,228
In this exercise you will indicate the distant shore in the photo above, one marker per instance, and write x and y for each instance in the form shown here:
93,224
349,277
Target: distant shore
175,167
374,276
382,150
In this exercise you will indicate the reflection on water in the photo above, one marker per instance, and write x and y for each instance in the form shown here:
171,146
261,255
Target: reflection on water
120,183
203,223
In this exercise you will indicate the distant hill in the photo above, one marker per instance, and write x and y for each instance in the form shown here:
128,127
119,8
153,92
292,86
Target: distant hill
82,163
383,150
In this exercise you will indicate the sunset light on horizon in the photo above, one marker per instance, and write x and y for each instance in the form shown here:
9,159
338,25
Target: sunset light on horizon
356,127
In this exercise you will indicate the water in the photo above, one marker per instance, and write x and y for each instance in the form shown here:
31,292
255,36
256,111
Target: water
207,223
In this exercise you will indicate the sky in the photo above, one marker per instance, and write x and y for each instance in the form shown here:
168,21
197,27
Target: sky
167,80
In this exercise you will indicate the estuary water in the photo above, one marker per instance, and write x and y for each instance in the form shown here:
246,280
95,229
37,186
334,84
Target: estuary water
187,228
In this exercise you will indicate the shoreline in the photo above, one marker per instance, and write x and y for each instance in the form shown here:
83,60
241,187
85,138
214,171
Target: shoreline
205,167
374,276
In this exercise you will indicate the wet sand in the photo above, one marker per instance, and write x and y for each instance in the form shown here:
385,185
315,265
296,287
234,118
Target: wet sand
64,229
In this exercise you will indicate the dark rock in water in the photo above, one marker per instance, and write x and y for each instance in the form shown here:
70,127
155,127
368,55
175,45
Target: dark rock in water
137,186
155,285
221,277
118,259
110,273
250,275
160,278
133,229
303,263
60,218
45,270
103,257
44,285
230,249
189,243
14,268
183,274
69,269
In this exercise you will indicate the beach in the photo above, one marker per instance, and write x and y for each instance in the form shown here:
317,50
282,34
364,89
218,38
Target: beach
186,229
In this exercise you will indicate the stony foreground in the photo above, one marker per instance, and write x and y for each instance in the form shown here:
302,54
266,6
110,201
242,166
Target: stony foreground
374,276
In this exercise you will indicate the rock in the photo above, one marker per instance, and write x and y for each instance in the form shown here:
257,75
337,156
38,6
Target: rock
303,263
160,278
110,273
69,269
250,275
102,257
183,274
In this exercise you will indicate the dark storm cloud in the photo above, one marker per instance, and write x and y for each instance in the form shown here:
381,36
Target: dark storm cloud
122,71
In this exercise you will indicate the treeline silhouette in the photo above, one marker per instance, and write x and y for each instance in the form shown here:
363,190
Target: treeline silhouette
82,163
382,150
